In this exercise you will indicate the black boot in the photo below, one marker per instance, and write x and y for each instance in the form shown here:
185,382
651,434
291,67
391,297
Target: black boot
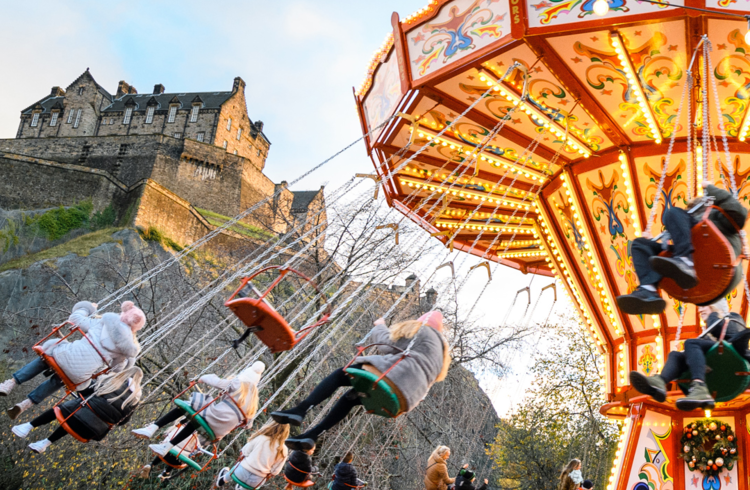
302,442
291,417
676,269
641,302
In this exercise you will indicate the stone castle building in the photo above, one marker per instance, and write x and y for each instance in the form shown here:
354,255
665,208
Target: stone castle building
160,159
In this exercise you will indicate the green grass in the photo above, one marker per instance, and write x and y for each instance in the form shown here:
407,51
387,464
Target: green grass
153,235
56,223
244,229
80,246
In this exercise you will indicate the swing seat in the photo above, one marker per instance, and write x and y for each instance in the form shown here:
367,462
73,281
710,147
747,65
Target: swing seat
50,361
722,378
715,265
185,407
241,483
176,467
185,458
61,419
306,484
261,318
377,398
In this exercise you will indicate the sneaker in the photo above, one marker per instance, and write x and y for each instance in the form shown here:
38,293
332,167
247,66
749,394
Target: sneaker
676,269
287,417
165,475
144,472
7,386
698,397
19,408
22,430
221,479
40,446
653,386
161,449
146,432
641,302
300,443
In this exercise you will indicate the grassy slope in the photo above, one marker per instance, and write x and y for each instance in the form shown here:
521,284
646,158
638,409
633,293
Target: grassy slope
245,229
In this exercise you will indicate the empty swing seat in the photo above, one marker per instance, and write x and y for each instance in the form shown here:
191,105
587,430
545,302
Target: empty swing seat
726,377
185,407
377,396
267,324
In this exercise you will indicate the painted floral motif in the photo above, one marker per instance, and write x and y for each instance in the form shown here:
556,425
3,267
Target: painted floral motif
385,93
734,71
442,40
608,199
654,473
647,361
741,179
624,264
548,12
569,225
675,187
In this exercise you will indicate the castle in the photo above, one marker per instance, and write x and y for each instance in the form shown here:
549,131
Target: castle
179,162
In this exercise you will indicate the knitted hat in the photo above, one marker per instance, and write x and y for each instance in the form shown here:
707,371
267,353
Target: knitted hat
588,484
252,373
469,475
434,319
132,316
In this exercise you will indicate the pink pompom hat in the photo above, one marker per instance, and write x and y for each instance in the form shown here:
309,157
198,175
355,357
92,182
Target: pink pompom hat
132,316
434,319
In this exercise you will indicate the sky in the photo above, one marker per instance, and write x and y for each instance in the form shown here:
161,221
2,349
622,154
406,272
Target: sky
300,60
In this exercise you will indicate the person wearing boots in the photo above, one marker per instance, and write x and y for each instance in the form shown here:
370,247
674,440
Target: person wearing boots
345,475
694,358
112,335
411,379
650,267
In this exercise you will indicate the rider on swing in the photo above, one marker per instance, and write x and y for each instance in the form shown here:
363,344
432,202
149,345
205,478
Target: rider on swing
694,358
650,267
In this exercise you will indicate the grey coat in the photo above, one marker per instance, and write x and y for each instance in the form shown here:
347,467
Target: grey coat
79,360
415,375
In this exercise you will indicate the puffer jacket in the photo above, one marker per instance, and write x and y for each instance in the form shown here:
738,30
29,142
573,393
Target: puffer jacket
437,473
261,458
737,332
94,419
415,375
299,467
345,474
79,360
223,416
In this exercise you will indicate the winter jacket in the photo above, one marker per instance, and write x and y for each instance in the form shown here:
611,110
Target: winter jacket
345,474
223,416
414,375
94,418
261,458
737,332
437,472
79,360
299,467
566,483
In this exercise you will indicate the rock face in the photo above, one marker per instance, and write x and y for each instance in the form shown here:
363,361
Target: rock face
388,453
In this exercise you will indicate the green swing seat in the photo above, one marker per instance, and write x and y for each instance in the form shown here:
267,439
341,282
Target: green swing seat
185,458
377,398
240,482
722,378
185,407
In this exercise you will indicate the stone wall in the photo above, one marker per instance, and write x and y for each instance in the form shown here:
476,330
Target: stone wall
250,144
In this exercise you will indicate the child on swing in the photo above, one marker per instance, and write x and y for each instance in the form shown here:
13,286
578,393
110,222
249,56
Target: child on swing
411,379
111,402
187,446
299,469
694,358
263,457
112,335
222,416
650,267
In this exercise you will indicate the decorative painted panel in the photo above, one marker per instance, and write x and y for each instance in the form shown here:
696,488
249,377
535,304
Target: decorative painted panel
728,4
726,480
461,27
385,94
731,70
653,465
648,357
559,12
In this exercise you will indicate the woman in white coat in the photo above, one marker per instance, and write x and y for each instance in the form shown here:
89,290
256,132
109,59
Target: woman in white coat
222,416
263,457
112,335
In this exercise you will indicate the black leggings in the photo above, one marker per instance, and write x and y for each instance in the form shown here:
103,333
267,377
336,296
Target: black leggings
47,418
321,393
169,459
185,432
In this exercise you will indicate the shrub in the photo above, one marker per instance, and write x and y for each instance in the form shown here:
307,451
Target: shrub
56,223
104,218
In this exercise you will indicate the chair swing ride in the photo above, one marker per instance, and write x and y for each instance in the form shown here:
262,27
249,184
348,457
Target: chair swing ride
556,133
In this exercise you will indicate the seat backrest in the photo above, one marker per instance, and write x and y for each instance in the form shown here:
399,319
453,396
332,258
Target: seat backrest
185,407
377,398
722,378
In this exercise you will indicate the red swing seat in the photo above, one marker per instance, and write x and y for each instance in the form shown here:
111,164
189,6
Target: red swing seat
305,484
716,265
261,317
70,386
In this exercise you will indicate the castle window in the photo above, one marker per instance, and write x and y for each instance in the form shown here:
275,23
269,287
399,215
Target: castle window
35,120
225,144
150,114
53,120
172,113
235,152
78,118
229,124
70,116
128,115
200,136
178,135
80,90
194,113
258,151
239,133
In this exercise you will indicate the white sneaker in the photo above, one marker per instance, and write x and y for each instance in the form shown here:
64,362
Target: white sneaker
221,479
22,430
146,432
40,446
161,449
20,408
7,386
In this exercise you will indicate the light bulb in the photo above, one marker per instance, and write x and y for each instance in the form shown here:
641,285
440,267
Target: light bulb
747,36
601,7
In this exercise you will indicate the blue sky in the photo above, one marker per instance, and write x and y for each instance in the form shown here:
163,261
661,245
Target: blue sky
300,60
